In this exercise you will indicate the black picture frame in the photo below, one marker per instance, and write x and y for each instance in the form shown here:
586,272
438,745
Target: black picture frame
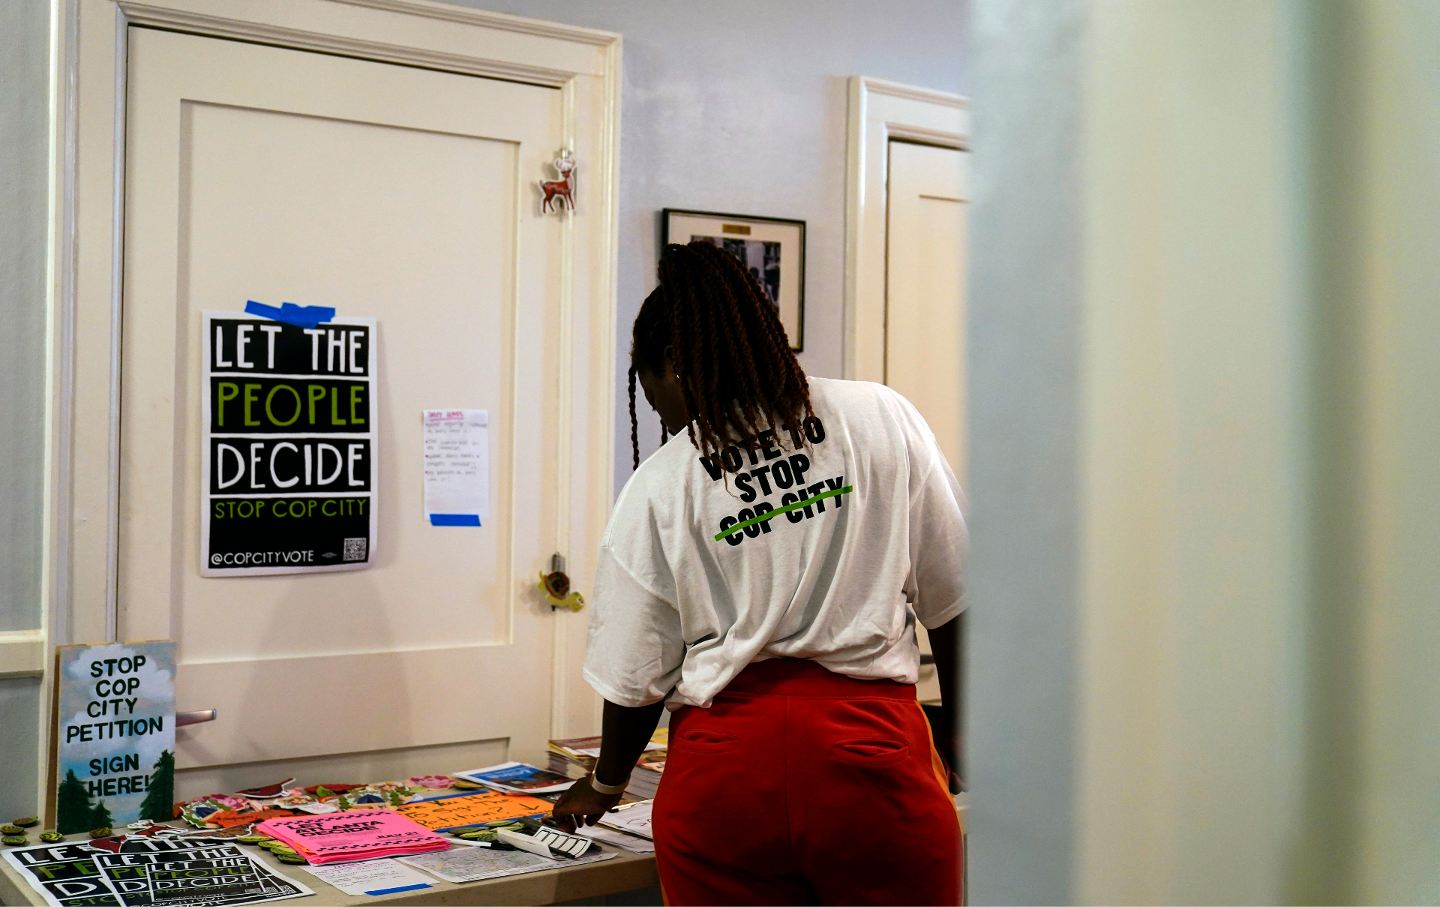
780,236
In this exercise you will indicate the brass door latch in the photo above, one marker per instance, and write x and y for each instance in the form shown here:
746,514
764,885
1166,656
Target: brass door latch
556,586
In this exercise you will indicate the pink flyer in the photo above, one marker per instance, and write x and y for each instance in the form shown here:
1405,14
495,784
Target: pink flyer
355,835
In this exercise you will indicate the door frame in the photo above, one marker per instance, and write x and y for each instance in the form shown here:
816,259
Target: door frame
881,111
87,167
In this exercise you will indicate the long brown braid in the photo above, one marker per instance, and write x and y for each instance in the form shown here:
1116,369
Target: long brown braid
736,371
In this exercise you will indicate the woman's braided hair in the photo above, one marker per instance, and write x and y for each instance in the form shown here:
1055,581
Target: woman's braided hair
733,362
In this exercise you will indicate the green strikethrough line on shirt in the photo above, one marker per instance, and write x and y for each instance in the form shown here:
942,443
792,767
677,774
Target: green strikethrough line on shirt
786,509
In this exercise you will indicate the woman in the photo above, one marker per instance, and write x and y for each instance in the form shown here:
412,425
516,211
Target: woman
761,576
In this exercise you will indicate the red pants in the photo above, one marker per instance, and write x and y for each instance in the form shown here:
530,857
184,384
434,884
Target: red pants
800,786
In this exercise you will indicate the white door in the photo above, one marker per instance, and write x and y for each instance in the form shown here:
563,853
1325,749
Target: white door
925,298
384,191
925,287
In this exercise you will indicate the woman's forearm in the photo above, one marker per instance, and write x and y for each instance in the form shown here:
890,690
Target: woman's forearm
947,643
624,731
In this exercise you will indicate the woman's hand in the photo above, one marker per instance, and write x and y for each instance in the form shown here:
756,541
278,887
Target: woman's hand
581,805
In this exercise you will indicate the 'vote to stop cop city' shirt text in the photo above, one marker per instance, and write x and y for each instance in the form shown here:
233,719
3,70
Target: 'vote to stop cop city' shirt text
825,542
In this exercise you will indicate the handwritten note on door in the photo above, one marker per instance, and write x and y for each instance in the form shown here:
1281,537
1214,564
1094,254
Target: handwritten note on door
457,466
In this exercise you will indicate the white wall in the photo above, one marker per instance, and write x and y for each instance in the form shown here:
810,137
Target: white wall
1245,708
740,106
1025,305
1388,282
1193,456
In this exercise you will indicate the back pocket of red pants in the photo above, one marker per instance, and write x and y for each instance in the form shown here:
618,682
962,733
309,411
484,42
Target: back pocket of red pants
703,740
871,751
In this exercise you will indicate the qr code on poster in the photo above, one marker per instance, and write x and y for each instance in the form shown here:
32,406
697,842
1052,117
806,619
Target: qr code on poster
355,549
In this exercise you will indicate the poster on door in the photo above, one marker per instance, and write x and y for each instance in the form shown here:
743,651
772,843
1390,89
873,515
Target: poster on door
288,466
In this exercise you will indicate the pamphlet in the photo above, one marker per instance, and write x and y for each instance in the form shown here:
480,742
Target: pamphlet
518,778
634,818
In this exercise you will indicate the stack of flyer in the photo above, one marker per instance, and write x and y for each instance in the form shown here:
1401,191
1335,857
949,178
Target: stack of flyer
576,756
346,837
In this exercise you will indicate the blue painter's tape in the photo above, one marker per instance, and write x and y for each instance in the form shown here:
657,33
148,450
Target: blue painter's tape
302,316
379,891
454,519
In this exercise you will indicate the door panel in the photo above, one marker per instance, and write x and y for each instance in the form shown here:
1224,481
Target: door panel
401,194
925,300
925,287
384,202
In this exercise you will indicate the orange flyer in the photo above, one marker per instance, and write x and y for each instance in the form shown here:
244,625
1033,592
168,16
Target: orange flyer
229,818
458,810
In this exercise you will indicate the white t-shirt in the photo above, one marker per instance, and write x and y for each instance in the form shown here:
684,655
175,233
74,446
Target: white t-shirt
840,581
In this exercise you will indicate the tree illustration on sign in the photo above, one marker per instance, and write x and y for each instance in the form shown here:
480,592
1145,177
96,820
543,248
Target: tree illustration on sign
159,803
72,806
100,816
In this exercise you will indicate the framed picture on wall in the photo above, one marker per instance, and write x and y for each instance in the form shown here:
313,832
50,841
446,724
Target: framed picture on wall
772,248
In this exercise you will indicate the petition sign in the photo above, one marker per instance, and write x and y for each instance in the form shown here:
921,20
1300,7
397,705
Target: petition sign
288,474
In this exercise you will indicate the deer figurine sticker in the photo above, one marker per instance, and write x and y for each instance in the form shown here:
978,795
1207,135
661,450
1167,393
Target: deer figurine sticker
559,193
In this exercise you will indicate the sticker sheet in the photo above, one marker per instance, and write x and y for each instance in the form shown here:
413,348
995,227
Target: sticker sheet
151,872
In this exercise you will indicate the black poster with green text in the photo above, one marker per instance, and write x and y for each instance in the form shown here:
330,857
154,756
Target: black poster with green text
288,474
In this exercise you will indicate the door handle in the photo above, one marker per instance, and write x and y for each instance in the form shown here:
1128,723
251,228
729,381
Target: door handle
199,716
556,586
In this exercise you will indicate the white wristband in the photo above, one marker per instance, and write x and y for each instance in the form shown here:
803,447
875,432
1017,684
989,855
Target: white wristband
609,789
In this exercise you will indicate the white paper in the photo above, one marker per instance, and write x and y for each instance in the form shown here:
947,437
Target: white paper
317,808
471,864
457,466
369,876
563,841
634,819
524,842
546,840
618,838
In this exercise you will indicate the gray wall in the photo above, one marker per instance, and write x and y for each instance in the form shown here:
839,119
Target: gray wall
740,106
19,729
1025,306
24,103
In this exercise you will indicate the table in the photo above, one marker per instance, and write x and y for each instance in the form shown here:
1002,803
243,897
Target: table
626,872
